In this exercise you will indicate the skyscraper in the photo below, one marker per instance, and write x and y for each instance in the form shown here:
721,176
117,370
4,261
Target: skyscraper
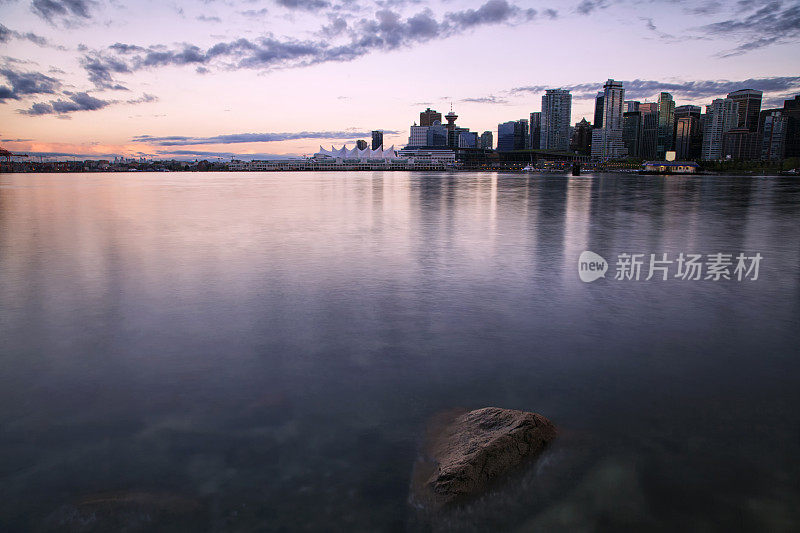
536,129
556,119
487,140
773,142
791,109
688,133
377,139
511,135
429,116
721,116
741,144
649,140
749,102
632,132
598,110
607,141
632,105
581,141
361,144
666,124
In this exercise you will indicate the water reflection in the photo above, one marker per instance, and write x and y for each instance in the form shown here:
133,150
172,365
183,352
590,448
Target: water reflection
268,346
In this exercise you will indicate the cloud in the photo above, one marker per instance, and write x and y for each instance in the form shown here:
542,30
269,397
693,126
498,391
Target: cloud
492,12
26,83
708,8
387,30
688,89
204,18
100,69
306,5
65,10
586,7
144,99
194,154
121,48
774,22
236,138
254,13
7,34
491,99
75,102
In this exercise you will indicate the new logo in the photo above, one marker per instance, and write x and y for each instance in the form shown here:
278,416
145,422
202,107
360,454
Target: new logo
591,267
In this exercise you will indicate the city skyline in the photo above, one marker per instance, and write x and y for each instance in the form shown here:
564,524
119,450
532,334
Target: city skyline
100,78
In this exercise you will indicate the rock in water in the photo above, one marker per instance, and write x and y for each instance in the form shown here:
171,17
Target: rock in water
471,450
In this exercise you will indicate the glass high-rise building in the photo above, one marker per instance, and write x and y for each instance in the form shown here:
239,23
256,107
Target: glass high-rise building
791,109
536,129
377,139
632,132
749,103
773,141
598,110
511,135
666,124
721,116
607,142
688,134
649,139
556,120
487,140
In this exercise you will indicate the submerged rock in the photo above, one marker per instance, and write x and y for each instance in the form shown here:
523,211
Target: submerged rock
467,452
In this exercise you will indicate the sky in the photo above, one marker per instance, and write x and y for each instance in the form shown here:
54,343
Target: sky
254,79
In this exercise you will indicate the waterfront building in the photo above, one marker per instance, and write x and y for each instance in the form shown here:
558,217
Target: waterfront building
468,139
361,144
666,124
581,140
774,136
535,129
607,142
421,158
721,116
671,167
632,132
688,137
437,135
649,135
418,136
511,135
741,144
429,116
556,120
791,110
598,110
377,139
526,133
487,140
749,106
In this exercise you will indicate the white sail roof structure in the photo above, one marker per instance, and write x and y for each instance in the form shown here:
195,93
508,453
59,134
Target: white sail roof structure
355,153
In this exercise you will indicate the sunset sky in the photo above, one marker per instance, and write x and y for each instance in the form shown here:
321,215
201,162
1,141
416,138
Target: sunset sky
213,78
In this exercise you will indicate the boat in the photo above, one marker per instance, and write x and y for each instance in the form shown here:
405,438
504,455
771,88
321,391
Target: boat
529,168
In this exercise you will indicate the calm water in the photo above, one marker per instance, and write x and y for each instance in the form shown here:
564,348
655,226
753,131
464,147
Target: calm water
262,351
